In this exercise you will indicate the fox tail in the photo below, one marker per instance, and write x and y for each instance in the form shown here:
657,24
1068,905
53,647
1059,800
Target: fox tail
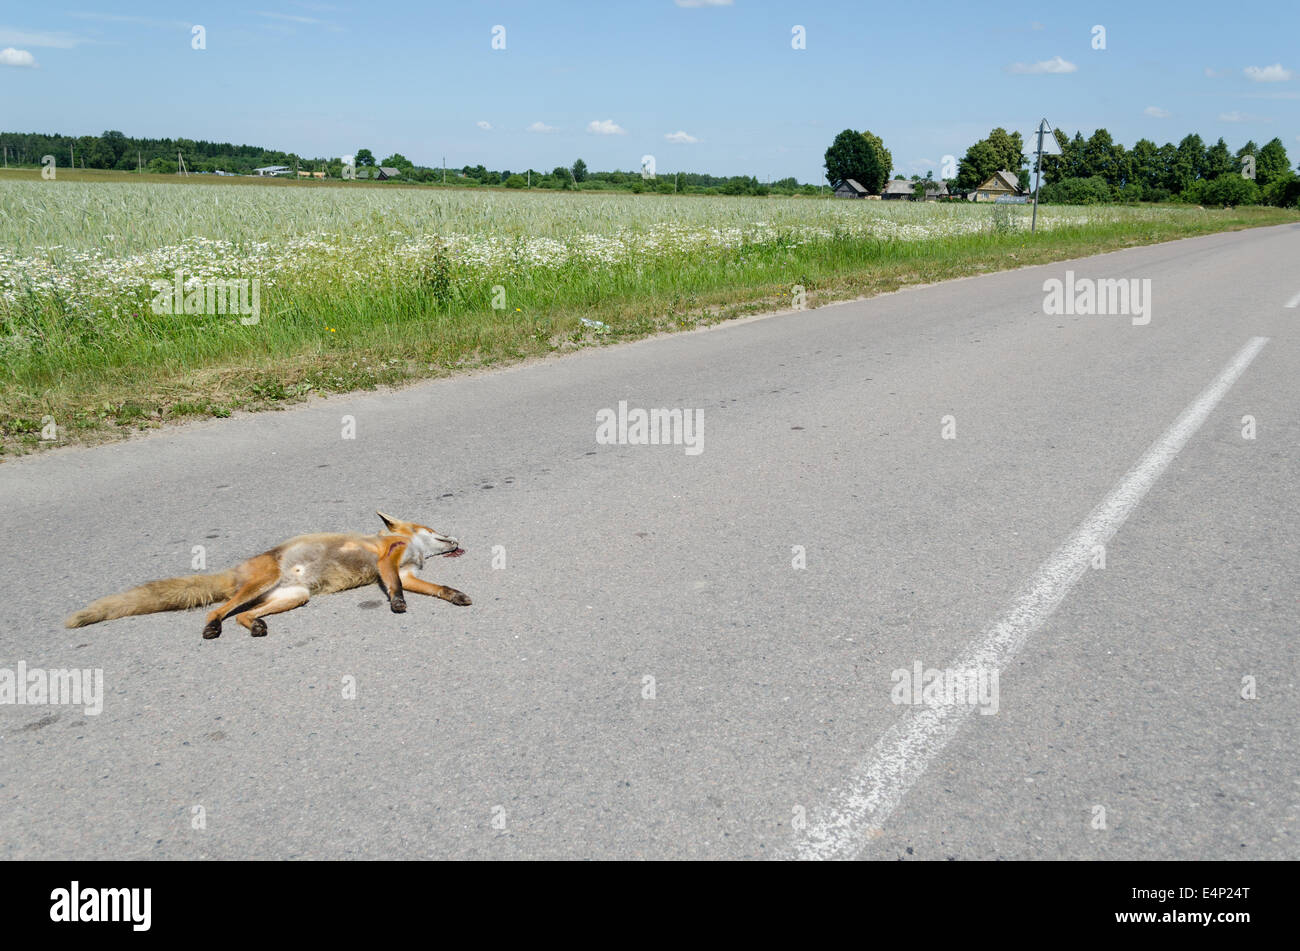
169,594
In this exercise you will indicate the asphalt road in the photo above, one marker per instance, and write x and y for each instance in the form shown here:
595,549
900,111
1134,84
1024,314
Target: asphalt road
524,726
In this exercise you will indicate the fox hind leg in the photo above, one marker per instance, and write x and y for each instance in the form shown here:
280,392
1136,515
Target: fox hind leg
278,601
257,576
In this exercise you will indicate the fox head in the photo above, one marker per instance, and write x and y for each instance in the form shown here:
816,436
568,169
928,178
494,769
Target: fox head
425,542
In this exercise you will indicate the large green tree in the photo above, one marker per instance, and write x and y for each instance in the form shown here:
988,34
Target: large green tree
853,155
1000,151
1145,164
1099,157
579,171
882,154
1188,164
1010,149
1272,164
1219,161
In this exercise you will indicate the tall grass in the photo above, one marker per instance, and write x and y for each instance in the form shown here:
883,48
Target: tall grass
370,286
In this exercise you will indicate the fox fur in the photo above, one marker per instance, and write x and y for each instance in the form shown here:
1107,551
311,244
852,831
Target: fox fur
287,576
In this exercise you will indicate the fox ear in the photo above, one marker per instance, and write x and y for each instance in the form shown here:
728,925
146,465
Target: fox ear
389,522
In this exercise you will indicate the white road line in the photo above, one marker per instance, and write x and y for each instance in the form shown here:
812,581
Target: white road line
906,750
1294,302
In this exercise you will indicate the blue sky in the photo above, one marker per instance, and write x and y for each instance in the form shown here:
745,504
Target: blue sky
702,85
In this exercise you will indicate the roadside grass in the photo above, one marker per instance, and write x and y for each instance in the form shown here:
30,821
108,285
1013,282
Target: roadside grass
104,378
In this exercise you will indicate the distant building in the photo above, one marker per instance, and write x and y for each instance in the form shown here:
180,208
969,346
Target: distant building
1002,183
379,173
850,189
935,192
897,190
272,170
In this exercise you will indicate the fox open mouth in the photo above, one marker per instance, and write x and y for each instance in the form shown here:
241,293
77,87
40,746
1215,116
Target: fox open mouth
454,553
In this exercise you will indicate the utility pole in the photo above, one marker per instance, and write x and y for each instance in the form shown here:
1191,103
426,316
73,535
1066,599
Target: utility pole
1044,128
1038,164
444,170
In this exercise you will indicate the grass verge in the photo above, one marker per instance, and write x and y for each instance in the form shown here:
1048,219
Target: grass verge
94,386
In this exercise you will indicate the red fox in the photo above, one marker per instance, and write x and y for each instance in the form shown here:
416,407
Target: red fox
285,577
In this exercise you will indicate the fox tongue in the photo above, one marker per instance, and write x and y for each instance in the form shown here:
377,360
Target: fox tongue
456,553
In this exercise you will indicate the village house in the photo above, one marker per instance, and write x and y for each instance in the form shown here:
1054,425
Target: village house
379,172
897,190
850,189
1002,183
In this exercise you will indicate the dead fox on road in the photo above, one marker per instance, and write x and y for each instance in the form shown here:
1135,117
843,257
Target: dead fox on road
285,577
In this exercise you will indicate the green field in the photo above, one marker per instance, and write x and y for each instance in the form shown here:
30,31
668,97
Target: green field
364,285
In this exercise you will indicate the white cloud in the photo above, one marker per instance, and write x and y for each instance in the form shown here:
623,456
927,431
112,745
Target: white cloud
542,127
300,20
134,20
1236,116
703,3
61,41
1276,73
681,138
12,57
1155,112
292,18
1053,65
484,125
605,127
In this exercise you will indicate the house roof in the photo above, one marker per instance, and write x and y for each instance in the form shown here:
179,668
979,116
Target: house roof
941,189
898,187
1003,179
852,183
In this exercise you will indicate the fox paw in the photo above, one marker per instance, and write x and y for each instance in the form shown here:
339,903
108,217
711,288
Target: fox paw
461,598
211,629
398,604
257,628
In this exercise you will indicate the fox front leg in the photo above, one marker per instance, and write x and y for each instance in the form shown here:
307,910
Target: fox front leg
389,578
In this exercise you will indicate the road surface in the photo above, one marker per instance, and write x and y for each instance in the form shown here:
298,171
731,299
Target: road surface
645,673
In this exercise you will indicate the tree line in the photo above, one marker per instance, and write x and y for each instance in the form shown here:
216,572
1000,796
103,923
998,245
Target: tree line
114,150
1100,169
1096,169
